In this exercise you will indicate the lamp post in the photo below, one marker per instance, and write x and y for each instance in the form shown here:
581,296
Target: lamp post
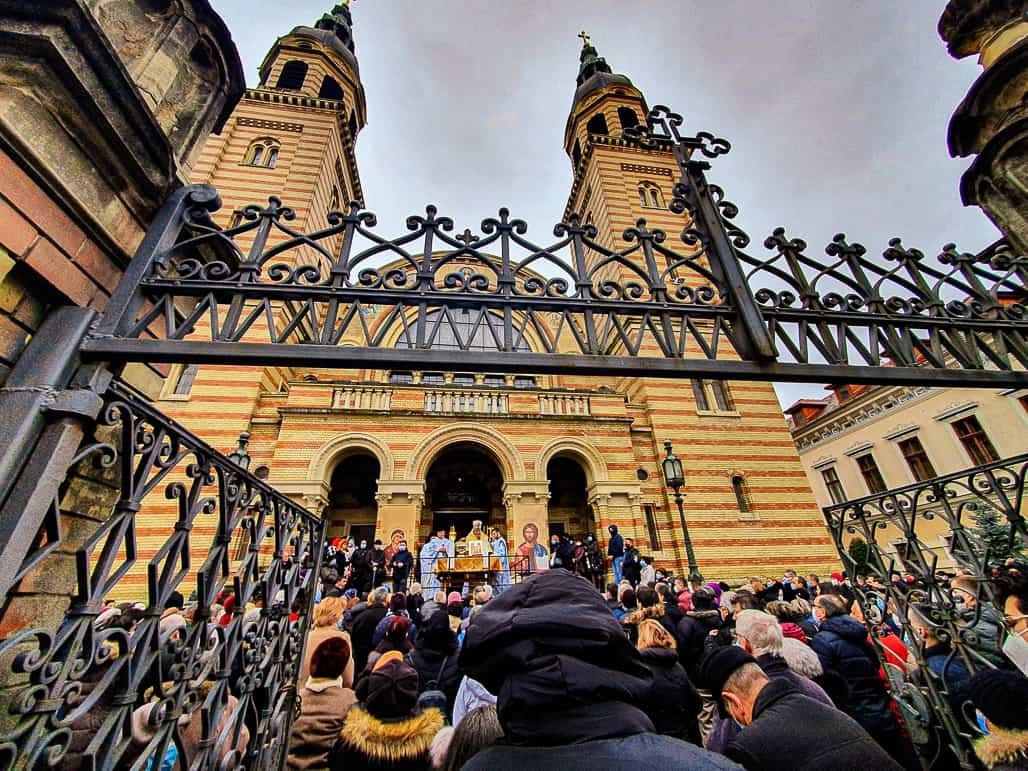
240,456
674,477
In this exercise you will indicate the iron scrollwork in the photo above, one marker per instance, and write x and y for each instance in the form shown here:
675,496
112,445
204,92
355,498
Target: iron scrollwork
893,524
89,692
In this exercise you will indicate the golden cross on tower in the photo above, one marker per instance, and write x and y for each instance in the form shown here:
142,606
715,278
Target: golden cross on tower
585,38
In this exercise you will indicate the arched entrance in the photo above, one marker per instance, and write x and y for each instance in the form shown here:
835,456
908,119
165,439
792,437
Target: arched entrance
352,509
463,484
568,507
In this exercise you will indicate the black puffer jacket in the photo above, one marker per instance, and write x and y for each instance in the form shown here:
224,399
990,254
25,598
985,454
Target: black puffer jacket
673,704
429,664
567,682
693,631
842,645
792,731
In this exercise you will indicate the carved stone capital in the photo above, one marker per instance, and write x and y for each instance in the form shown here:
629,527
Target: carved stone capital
315,503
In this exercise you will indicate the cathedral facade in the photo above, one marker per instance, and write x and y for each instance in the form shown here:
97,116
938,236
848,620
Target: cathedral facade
380,453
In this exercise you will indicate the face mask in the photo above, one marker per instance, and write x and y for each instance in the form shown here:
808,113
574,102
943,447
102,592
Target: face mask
835,582
553,543
589,538
770,583
378,547
810,585
364,545
1016,649
403,548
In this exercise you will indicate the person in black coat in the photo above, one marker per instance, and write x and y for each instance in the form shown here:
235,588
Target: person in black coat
362,631
673,704
631,567
435,659
401,565
782,727
841,644
695,628
568,684
377,563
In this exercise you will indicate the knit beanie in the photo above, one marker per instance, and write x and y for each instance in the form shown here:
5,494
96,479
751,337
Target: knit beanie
453,597
391,690
721,665
1002,697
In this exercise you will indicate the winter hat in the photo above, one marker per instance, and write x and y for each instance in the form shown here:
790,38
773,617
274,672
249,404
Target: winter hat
837,577
397,603
453,597
721,665
391,690
350,594
1001,696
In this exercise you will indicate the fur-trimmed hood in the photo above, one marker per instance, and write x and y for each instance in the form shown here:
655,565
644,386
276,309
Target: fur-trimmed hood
1003,747
636,617
390,741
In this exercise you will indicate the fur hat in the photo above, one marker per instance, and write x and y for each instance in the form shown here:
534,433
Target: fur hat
391,690
1001,696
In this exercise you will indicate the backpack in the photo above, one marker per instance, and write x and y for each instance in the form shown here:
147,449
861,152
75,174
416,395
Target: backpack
433,696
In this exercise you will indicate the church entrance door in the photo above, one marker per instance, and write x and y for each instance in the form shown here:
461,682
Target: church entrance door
464,484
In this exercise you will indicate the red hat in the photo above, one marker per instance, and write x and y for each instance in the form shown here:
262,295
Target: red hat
837,577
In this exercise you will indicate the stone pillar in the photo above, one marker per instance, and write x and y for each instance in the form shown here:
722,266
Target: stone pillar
991,123
399,508
525,502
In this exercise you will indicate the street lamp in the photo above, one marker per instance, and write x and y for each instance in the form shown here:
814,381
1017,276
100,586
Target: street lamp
674,477
240,456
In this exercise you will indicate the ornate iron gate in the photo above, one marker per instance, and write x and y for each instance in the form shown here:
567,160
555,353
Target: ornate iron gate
892,524
83,452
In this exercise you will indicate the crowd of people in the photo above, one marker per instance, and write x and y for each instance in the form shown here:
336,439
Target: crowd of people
780,672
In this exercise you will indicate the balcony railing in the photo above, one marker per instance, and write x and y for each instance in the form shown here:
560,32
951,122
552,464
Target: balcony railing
363,398
466,401
563,404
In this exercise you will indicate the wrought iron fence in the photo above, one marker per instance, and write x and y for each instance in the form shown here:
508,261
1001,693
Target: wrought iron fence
95,683
263,292
895,526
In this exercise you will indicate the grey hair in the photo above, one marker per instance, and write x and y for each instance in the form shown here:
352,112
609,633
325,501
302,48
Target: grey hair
745,679
761,631
380,594
801,658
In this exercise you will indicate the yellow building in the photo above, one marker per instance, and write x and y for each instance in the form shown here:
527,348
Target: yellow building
862,440
379,451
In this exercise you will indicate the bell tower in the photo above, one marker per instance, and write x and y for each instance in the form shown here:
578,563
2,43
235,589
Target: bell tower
293,135
743,474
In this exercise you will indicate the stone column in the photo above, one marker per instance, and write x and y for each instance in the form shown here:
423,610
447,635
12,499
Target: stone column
525,502
399,508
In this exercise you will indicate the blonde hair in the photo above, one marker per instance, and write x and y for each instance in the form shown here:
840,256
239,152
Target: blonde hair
653,635
328,611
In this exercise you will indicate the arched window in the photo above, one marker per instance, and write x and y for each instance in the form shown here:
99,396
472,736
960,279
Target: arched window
650,196
576,154
353,125
330,89
292,75
742,497
627,117
444,332
333,204
597,124
262,152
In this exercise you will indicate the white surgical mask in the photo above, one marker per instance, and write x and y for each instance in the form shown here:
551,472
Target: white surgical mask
1016,649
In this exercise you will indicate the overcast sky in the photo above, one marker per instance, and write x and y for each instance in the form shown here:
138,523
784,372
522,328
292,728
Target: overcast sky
836,110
